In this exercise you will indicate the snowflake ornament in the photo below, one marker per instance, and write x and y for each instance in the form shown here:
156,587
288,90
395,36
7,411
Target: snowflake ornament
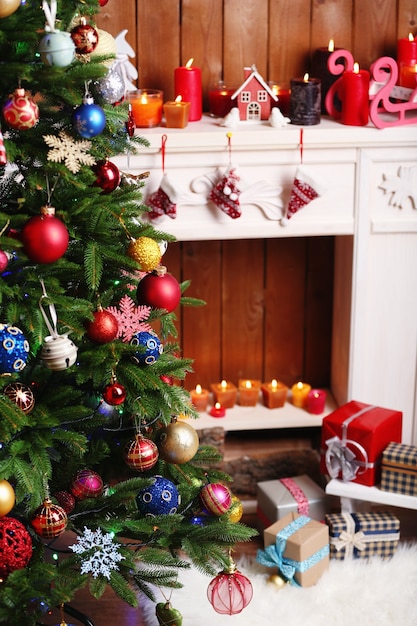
401,187
130,318
72,153
101,553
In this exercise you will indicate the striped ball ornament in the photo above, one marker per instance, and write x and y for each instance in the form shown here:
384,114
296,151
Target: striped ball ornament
141,454
216,498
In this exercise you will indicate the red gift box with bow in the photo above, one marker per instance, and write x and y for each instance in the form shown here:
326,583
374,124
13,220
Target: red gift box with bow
353,439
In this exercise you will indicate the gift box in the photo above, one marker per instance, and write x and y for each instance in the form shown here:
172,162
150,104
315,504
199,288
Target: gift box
399,469
277,498
353,439
362,535
299,547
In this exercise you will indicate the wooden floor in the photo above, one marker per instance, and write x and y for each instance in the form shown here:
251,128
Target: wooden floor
109,610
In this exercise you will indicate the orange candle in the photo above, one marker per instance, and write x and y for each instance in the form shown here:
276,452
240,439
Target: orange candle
274,394
224,392
199,398
249,392
146,107
176,113
299,394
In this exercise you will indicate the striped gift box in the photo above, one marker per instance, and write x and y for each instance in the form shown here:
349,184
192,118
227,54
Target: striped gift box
399,469
362,535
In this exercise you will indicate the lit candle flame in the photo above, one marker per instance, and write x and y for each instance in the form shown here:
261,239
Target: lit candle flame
217,406
144,99
274,383
248,384
306,77
178,99
198,389
331,45
189,62
410,37
223,384
300,385
356,68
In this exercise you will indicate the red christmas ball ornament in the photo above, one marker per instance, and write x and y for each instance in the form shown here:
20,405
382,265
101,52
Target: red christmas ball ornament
103,328
108,176
49,520
86,484
20,111
21,395
216,498
4,260
66,500
159,290
85,38
230,591
15,546
114,393
45,238
141,454
167,379
103,3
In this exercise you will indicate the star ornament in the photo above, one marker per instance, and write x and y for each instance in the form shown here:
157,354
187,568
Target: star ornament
73,153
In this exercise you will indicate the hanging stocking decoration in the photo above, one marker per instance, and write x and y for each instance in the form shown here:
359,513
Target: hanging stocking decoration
225,194
304,189
164,200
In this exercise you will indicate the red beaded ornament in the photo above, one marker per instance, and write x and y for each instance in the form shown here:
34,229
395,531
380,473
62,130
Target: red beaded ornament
141,454
15,546
86,484
216,498
230,591
103,328
49,520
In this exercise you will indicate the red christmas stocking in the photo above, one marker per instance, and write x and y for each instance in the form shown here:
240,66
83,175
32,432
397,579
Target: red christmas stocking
304,190
163,201
225,194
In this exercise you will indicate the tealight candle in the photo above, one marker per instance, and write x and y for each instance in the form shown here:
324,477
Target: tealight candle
146,107
217,410
199,398
299,394
316,401
249,392
407,61
274,394
176,113
188,85
305,101
355,97
224,392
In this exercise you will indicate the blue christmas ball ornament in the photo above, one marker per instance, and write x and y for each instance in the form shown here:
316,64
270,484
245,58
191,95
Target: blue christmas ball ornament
14,349
159,498
88,119
151,347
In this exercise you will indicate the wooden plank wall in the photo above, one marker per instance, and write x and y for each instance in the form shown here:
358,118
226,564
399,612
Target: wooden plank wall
223,36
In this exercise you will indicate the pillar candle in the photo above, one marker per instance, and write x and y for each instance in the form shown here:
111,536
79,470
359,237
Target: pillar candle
176,113
199,398
220,99
316,401
249,392
299,394
407,61
320,69
274,394
305,101
355,97
224,392
146,107
188,85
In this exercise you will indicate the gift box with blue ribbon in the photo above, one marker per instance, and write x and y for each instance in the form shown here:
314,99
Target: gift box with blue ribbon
298,547
363,535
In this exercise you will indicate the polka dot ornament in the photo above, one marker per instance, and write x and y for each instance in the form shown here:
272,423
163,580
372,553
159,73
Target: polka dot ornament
15,546
14,349
151,347
159,498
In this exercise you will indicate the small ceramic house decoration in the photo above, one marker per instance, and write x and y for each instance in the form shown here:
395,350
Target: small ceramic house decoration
254,97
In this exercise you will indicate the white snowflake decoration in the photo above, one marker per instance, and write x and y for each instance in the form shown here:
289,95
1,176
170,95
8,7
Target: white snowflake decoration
130,318
401,187
72,153
101,552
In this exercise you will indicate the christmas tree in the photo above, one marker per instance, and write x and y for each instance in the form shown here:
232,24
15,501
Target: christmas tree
98,449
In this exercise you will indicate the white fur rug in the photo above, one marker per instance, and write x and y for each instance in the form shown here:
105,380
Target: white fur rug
350,593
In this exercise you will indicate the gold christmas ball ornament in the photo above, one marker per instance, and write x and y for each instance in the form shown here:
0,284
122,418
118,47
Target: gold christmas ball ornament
7,7
106,46
277,581
146,252
234,514
177,443
7,497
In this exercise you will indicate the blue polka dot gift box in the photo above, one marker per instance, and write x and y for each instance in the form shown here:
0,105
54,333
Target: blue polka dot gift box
399,469
297,548
363,535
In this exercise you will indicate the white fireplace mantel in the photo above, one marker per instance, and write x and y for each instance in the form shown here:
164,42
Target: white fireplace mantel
369,201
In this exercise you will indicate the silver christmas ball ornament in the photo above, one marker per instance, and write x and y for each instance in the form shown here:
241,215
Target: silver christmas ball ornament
111,88
58,352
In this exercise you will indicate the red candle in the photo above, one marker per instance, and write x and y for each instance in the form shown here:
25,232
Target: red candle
187,84
316,401
283,92
355,97
217,410
220,100
407,61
